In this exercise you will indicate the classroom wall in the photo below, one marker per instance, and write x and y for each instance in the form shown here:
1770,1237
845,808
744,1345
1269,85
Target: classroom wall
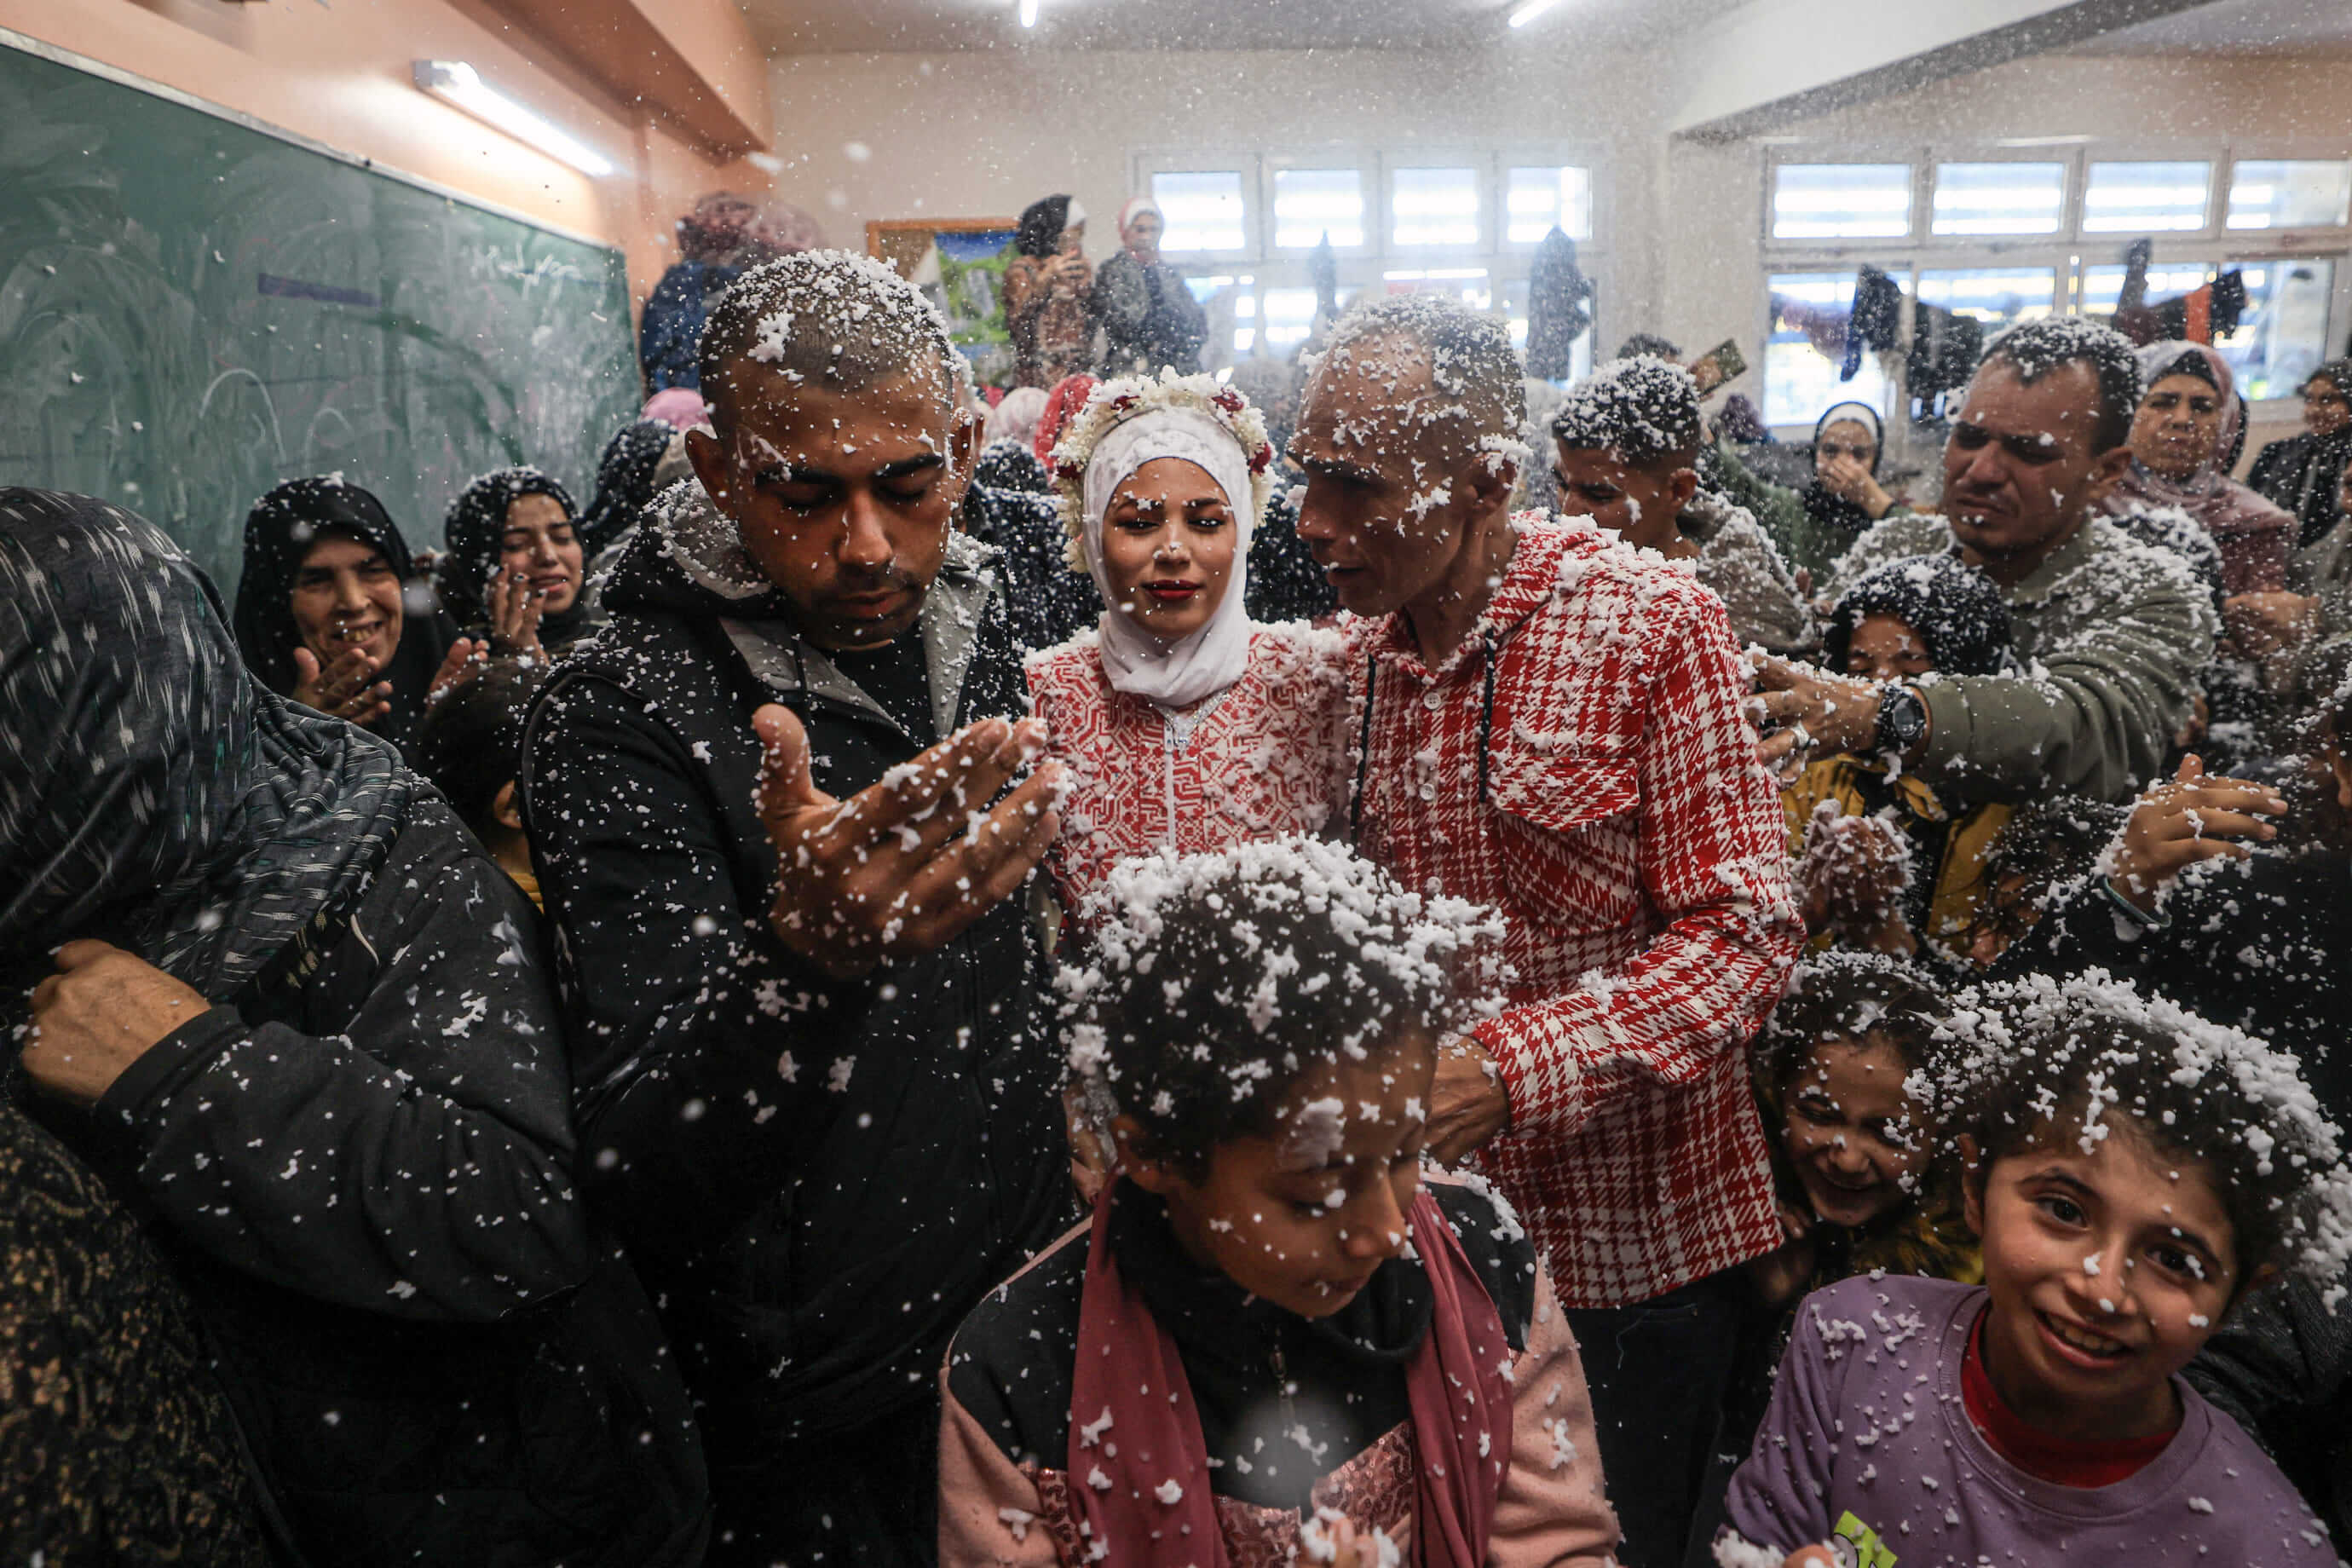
983,134
340,76
1713,193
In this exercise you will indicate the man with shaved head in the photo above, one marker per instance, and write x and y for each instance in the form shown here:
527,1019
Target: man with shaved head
1552,726
770,812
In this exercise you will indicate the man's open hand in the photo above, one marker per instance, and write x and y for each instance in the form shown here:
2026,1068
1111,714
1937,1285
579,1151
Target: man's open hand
905,865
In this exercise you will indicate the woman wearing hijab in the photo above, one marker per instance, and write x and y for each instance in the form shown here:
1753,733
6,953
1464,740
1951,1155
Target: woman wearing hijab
327,614
1150,320
293,1012
515,572
624,483
1186,726
2302,472
2189,419
1817,524
1049,306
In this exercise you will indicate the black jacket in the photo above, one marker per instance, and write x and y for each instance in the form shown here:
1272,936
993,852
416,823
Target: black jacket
820,1178
2282,1366
361,1169
2302,473
2259,944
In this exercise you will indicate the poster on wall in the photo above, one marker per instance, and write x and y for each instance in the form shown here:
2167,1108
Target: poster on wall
959,263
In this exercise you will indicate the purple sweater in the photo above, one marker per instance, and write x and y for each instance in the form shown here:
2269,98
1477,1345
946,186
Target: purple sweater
1867,1440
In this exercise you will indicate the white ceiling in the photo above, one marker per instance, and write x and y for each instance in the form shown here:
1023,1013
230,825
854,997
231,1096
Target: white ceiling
804,27
2238,26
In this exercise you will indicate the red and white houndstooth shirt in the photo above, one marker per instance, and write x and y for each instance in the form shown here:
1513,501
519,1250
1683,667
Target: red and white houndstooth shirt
1581,764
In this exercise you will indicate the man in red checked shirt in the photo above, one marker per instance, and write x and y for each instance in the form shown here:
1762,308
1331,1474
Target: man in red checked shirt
1552,726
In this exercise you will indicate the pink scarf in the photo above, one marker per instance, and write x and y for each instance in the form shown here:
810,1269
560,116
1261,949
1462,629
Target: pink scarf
1139,1465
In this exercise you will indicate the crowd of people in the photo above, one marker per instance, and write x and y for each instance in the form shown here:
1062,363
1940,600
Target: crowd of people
1136,977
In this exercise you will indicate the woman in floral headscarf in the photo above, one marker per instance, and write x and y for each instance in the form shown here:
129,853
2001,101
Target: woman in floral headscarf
2182,440
723,234
1186,725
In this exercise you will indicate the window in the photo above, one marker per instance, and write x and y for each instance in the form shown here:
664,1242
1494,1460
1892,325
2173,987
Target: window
1467,284
1799,380
1433,207
1310,204
2289,194
1289,314
1841,201
2283,335
2143,198
2000,297
2000,198
1535,199
1203,210
2102,286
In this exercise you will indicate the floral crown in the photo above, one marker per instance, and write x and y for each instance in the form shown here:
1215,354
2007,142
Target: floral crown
1115,401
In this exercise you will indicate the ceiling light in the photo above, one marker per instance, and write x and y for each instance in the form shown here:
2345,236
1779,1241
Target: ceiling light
1028,13
459,83
1530,11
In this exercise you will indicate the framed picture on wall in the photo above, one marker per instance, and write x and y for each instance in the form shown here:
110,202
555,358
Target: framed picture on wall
959,263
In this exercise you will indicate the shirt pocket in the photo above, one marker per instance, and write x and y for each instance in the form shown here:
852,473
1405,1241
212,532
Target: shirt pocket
1566,830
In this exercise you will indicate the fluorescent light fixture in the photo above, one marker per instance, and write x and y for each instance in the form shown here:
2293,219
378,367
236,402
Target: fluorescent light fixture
459,83
1028,13
1530,11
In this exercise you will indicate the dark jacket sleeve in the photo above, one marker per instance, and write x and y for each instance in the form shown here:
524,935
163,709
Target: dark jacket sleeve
667,342
696,1056
402,1145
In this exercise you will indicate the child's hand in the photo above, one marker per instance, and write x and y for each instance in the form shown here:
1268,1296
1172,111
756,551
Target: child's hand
1779,1275
1332,1537
2187,819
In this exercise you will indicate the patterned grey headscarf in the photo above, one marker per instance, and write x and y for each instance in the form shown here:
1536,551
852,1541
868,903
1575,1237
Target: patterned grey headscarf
152,792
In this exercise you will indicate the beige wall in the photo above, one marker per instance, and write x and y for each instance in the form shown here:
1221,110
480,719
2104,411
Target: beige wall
981,134
1714,195
342,77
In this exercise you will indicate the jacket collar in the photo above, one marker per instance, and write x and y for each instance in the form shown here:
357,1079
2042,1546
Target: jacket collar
791,666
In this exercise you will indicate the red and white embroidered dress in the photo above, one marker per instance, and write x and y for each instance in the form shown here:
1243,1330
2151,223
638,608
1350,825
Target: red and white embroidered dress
1266,757
1581,764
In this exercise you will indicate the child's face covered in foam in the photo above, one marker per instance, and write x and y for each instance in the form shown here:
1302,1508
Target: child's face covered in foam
2107,1271
1851,1133
1304,1217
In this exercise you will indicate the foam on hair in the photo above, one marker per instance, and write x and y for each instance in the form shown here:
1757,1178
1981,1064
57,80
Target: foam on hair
1215,983
1643,409
2035,349
834,317
1471,360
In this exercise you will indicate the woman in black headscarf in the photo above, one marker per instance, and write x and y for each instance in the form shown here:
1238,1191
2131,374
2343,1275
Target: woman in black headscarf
515,573
624,483
327,612
1049,307
294,1009
2302,472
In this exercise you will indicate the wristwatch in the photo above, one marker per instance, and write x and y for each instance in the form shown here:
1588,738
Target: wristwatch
1902,720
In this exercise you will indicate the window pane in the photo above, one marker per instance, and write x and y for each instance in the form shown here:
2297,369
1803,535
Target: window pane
1433,207
1203,211
1841,201
1467,284
1536,199
2144,198
1801,381
2304,194
1287,314
1310,203
2283,335
2000,198
2000,297
2102,286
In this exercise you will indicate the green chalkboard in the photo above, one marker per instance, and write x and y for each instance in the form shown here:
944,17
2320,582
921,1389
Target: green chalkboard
194,307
